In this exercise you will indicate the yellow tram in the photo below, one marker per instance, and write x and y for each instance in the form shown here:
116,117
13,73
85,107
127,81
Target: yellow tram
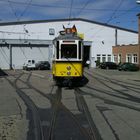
68,55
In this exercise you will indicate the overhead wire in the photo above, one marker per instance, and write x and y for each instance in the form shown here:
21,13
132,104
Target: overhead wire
23,12
18,19
70,10
82,9
12,8
26,8
126,12
66,7
111,17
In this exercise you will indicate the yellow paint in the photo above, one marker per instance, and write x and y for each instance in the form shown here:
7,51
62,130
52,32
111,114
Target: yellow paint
81,35
67,69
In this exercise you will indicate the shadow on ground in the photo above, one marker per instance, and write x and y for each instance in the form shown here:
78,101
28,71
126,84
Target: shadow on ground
72,83
2,73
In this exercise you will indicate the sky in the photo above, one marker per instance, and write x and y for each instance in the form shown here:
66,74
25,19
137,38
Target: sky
122,13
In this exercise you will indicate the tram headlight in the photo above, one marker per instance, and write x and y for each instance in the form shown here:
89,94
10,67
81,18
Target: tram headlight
68,68
68,73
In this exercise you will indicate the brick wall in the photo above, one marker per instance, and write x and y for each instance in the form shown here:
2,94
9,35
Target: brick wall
139,36
124,50
128,49
139,26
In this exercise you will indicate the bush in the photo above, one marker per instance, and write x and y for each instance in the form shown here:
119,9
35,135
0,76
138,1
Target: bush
97,63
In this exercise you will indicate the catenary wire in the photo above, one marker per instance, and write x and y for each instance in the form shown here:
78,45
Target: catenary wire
66,7
111,17
70,11
82,9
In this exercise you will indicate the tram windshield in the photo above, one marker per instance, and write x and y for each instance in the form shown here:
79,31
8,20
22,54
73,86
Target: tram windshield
69,51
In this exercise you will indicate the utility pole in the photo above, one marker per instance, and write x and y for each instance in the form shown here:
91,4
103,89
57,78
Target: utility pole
138,2
116,37
10,47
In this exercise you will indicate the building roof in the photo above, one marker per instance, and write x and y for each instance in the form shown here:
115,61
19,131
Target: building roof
61,20
129,45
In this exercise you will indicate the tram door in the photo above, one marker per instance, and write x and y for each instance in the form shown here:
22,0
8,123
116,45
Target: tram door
86,53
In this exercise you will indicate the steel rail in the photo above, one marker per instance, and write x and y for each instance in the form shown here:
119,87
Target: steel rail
54,114
56,105
81,128
38,131
138,85
93,130
109,101
129,97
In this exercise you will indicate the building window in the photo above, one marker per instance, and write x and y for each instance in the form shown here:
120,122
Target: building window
115,58
119,58
103,58
129,58
109,58
135,58
98,57
51,31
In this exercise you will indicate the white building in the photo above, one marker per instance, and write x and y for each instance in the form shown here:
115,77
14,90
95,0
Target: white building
20,41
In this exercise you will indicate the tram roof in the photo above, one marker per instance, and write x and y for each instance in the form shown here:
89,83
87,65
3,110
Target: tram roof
68,36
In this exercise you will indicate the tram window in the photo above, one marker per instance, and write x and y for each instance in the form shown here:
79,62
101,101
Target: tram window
57,50
68,51
79,49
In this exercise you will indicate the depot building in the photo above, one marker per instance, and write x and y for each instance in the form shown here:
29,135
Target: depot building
20,41
128,53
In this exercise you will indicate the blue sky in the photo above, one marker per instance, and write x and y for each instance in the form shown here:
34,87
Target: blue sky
121,13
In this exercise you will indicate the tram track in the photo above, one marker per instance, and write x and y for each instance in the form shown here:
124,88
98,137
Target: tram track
57,108
35,117
57,104
93,130
108,98
118,82
114,95
126,85
120,94
38,132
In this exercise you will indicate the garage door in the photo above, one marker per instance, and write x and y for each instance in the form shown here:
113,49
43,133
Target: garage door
21,54
4,57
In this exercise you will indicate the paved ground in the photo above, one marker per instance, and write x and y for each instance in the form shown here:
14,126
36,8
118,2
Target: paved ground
12,116
112,97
